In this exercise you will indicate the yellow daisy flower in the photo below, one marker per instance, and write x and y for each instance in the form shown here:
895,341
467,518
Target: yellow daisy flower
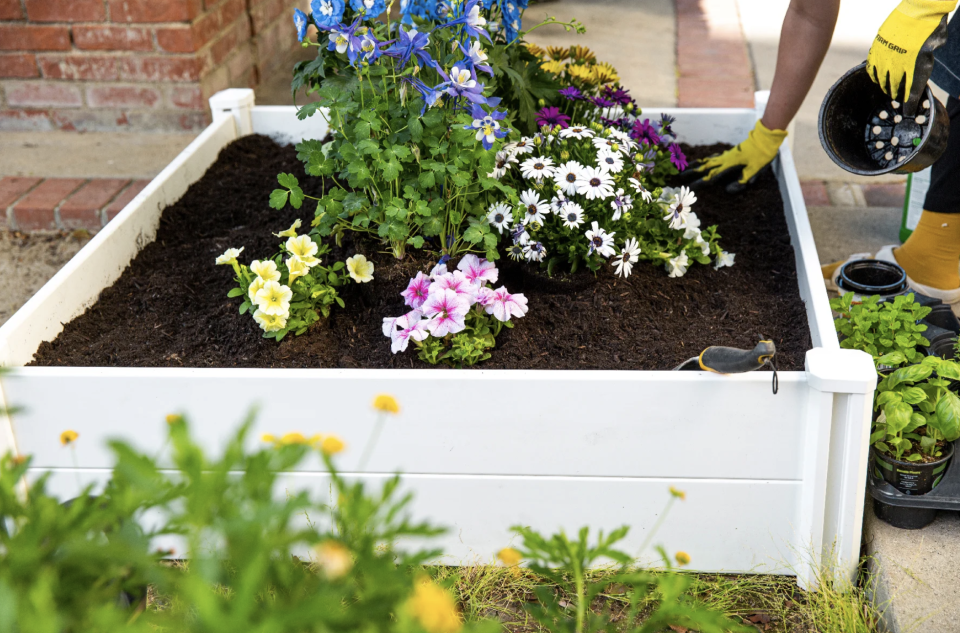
534,50
558,53
605,73
553,67
386,403
434,608
582,54
68,437
332,445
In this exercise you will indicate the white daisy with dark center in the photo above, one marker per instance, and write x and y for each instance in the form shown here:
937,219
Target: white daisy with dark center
566,176
595,183
576,131
537,168
572,215
500,217
534,209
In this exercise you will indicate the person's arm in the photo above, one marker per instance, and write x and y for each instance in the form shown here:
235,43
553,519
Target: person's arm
804,39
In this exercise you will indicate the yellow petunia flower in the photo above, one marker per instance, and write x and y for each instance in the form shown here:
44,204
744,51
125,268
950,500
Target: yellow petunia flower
174,418
265,270
68,437
553,67
292,231
434,608
303,248
270,322
534,50
605,73
274,299
229,256
509,556
558,53
296,269
254,287
682,558
582,54
386,403
360,269
332,445
334,559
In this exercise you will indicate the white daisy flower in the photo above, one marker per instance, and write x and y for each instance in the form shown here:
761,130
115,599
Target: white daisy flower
576,131
519,148
724,259
627,258
679,210
558,201
601,242
611,161
500,217
537,168
515,252
572,215
594,183
501,164
534,252
624,139
610,144
566,176
534,209
677,267
639,188
620,204
519,235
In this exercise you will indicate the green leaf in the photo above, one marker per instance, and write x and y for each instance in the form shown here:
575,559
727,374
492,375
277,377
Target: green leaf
427,179
473,234
296,197
235,292
278,198
898,417
913,395
288,180
948,416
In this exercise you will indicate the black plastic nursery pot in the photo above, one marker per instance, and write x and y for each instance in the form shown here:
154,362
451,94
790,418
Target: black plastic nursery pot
911,478
863,131
942,316
868,277
905,518
944,346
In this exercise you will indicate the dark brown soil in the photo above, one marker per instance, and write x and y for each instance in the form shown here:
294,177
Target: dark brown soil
170,308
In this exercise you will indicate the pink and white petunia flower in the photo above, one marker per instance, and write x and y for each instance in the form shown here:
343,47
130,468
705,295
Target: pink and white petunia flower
446,313
503,305
459,284
402,330
417,291
478,271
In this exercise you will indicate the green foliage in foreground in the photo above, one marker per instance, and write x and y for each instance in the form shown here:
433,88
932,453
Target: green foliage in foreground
263,557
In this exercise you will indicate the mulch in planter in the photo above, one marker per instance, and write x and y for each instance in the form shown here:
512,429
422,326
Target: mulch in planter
170,309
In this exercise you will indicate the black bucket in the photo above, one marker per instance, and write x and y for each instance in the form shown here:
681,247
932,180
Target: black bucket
852,120
904,518
911,478
870,277
945,347
943,316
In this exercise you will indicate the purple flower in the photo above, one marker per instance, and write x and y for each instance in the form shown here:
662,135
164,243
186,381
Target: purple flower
571,93
462,82
552,117
430,95
417,291
478,271
458,283
677,158
470,19
446,312
402,330
502,305
487,126
643,132
600,102
617,95
664,124
411,43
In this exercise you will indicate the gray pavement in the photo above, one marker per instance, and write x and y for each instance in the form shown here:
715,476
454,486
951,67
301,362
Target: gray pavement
841,231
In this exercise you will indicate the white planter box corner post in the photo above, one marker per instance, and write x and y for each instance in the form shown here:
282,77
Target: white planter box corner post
773,481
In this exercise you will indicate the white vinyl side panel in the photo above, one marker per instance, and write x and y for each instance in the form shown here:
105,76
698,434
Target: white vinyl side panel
812,289
282,125
98,264
706,126
732,526
597,423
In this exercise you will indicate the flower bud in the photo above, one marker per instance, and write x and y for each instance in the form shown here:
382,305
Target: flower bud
542,103
564,155
538,141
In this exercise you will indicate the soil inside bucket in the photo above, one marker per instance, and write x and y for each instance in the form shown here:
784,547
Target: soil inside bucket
169,307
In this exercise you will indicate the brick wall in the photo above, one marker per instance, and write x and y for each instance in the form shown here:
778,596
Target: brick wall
137,65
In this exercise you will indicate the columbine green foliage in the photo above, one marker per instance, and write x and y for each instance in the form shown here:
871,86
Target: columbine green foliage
564,561
919,408
880,328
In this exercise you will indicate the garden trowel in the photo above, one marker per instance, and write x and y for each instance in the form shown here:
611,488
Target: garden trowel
732,360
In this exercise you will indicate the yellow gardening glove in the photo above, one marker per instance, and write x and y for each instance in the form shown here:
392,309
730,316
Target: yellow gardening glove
753,154
902,53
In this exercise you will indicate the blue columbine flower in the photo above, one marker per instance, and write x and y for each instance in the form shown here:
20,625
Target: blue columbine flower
462,82
369,48
411,43
369,8
430,95
475,56
347,39
511,18
423,9
470,20
300,22
326,13
487,126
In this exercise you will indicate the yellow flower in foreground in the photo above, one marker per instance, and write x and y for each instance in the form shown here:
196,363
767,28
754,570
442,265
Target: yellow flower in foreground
682,558
229,256
332,445
434,608
254,287
360,269
290,439
292,231
270,322
582,53
334,559
553,67
583,73
304,249
386,403
679,494
605,73
274,299
68,437
174,418
509,556
534,50
558,53
297,268
265,270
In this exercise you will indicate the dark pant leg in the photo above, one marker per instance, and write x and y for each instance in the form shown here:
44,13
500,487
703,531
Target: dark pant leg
944,193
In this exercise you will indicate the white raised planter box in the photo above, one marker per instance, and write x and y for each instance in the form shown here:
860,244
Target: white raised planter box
773,482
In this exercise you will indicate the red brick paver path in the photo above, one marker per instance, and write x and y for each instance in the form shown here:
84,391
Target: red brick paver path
33,204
